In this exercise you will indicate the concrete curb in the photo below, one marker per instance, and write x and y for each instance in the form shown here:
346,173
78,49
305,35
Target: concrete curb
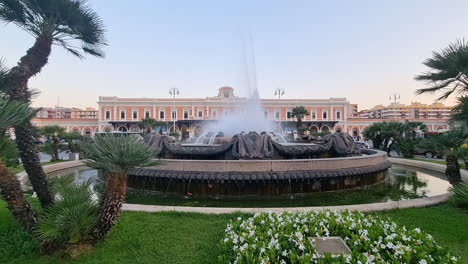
373,207
426,165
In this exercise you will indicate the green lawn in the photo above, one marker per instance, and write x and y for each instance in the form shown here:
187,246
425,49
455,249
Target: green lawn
192,238
438,162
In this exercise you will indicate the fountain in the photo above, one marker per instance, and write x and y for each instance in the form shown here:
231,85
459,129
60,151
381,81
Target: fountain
237,163
256,164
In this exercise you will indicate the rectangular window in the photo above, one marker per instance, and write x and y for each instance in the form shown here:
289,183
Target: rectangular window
338,115
214,114
324,115
135,114
147,114
200,113
122,114
174,114
277,115
289,115
161,115
107,114
186,114
314,115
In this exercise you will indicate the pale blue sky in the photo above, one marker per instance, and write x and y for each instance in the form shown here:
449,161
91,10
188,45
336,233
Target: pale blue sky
361,50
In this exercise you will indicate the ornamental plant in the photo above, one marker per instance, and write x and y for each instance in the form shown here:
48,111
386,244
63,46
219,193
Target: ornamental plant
283,238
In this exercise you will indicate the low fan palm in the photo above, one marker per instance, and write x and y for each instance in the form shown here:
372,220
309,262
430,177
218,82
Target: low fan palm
70,24
13,113
73,215
114,156
448,143
449,73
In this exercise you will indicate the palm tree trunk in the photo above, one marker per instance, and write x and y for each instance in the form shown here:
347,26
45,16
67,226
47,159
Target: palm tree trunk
17,89
10,190
55,145
453,169
114,196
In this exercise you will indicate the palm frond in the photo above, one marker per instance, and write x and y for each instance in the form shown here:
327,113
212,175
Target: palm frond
449,71
113,153
73,215
71,24
13,113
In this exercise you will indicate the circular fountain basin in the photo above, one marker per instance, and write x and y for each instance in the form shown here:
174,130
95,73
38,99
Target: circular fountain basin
261,177
402,183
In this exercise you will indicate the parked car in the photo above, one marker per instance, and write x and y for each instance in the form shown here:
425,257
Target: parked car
430,154
360,144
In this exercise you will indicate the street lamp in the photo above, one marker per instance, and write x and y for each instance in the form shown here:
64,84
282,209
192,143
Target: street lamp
279,92
174,91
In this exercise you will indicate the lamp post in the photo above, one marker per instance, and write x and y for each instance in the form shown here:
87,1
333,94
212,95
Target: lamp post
279,92
174,91
395,96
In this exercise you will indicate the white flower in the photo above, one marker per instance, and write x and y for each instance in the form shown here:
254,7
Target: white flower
422,261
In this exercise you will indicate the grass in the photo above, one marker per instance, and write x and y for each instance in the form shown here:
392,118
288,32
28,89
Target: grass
172,237
462,166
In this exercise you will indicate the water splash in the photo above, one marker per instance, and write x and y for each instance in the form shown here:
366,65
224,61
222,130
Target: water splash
251,115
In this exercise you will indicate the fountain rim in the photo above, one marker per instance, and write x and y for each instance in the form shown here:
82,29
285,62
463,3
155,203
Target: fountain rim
370,207
378,153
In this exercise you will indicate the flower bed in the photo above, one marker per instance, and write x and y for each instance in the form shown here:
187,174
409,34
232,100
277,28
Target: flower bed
283,238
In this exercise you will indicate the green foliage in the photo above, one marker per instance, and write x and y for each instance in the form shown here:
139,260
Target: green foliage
383,133
174,134
460,112
283,238
15,244
150,123
13,113
110,153
70,24
448,143
189,238
73,214
449,71
8,152
73,141
407,147
459,197
299,112
50,131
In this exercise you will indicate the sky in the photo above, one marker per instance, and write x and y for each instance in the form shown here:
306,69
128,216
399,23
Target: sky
362,50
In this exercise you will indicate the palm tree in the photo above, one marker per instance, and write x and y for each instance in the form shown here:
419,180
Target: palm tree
299,112
13,113
149,124
53,133
70,24
449,73
460,112
449,143
114,156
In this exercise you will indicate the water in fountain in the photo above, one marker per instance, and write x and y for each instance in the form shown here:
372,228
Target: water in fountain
251,116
